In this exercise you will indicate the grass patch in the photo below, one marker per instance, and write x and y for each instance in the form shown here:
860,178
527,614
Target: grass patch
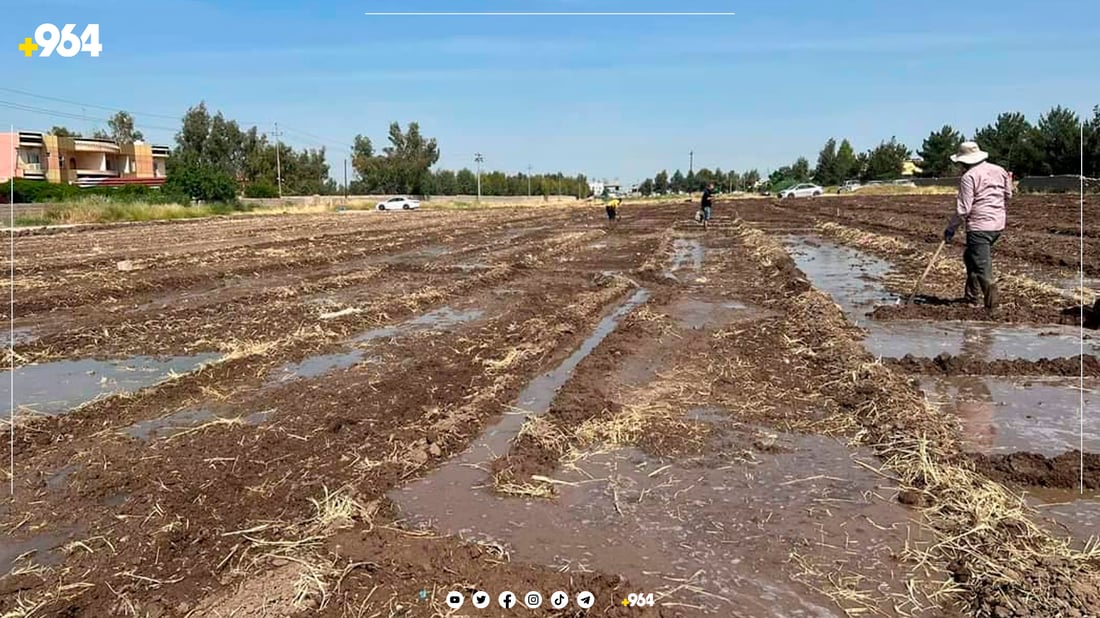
97,209
32,221
903,190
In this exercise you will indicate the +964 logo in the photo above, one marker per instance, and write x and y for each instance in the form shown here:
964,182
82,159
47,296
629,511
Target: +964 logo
49,40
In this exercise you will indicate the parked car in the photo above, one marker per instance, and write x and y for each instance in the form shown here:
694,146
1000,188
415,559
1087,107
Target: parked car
849,186
802,190
399,203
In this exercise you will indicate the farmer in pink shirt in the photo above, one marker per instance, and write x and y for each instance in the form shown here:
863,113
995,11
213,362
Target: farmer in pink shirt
984,192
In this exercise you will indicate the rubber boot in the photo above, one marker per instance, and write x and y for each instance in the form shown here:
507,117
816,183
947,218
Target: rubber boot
992,297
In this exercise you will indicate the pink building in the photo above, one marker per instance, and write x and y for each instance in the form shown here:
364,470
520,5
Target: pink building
80,160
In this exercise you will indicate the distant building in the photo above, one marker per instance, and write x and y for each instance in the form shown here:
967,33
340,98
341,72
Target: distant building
82,161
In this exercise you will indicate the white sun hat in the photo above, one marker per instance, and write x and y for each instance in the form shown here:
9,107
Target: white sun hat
969,153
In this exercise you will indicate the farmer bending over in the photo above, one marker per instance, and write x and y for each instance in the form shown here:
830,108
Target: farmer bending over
613,209
984,192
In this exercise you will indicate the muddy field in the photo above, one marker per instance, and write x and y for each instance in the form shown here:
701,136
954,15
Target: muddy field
354,414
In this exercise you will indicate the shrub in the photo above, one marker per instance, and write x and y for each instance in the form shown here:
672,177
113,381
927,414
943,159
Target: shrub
261,189
202,183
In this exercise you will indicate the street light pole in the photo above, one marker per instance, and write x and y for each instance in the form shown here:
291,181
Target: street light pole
528,180
691,162
278,164
345,181
479,159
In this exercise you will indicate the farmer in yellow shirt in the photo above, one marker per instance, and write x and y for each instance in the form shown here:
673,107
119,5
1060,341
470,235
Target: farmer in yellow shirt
613,209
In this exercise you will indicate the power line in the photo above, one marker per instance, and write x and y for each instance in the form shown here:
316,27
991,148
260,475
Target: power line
69,115
322,141
71,102
110,109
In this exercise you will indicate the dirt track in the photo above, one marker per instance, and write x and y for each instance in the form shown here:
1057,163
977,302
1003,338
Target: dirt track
326,459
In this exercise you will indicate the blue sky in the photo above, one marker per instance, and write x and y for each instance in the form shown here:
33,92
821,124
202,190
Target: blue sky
617,97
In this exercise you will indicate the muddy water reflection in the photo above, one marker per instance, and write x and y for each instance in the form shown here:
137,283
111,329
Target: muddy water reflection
655,523
853,279
316,366
1002,415
622,512
57,387
685,253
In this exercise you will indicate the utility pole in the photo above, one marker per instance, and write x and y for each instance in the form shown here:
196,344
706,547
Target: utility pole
691,163
528,180
479,159
278,164
345,181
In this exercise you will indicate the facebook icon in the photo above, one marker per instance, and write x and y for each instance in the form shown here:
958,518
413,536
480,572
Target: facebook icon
507,600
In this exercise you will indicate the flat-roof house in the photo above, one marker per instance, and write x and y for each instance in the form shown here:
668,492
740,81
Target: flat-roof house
82,161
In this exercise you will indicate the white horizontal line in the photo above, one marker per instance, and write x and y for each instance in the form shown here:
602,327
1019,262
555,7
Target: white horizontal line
534,14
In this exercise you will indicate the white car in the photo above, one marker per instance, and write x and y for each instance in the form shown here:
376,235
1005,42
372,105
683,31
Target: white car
802,190
399,203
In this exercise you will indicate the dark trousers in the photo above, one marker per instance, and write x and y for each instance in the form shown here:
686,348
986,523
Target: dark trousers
979,264
612,213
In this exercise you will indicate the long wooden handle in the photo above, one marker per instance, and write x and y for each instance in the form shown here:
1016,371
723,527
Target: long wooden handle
920,281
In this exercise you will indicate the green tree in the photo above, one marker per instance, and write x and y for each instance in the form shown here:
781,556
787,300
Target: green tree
826,171
412,155
191,138
122,129
446,183
1014,143
732,181
63,132
646,187
801,170
200,182
782,178
702,178
937,150
1059,133
466,181
750,179
677,184
100,134
660,182
885,161
1092,144
403,167
847,163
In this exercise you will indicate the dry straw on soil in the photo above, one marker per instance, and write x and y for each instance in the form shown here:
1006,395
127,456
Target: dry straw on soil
1012,285
987,546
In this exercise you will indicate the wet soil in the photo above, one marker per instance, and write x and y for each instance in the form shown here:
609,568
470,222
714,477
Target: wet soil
952,365
269,481
1062,471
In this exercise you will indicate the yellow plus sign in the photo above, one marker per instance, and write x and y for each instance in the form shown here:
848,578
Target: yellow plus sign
626,602
28,47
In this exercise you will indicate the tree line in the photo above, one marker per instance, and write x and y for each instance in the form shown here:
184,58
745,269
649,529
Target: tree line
405,166
678,182
1048,147
215,159
1051,146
